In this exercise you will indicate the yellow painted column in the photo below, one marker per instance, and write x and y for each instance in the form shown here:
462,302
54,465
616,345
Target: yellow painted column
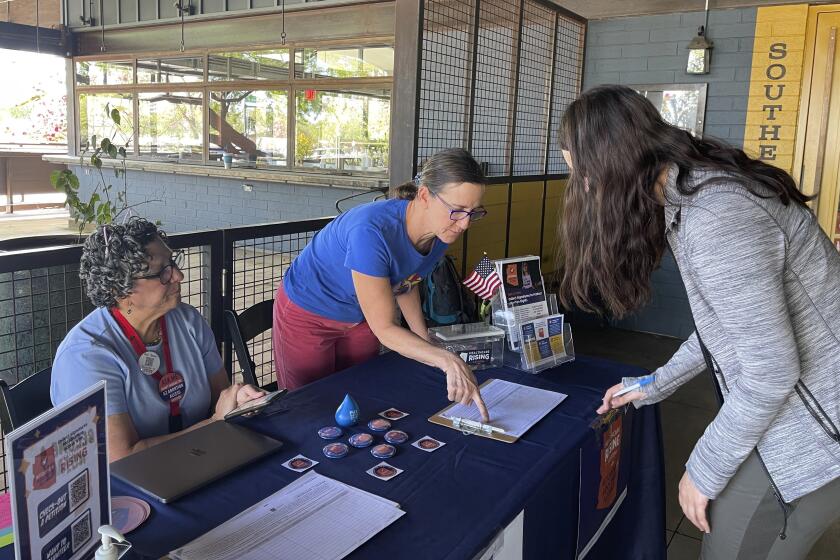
525,218
775,84
553,215
490,234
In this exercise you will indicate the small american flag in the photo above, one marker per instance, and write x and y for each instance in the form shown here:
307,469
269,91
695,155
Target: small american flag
483,281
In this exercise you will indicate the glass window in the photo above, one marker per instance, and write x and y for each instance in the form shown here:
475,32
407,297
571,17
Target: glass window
254,65
343,62
342,129
104,73
681,105
170,70
95,119
34,110
251,125
170,126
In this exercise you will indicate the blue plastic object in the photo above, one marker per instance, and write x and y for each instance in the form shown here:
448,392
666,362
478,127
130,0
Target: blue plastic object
348,413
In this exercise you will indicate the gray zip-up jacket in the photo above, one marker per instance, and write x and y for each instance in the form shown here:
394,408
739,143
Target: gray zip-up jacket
763,281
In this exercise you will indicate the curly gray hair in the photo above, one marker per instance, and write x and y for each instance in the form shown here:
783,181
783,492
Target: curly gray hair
113,256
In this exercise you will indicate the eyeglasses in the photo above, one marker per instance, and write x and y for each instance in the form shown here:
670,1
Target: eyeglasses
165,273
456,214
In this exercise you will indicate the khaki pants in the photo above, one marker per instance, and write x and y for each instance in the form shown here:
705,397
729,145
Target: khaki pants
746,519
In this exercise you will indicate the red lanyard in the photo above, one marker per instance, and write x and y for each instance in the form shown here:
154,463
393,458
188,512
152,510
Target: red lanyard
140,349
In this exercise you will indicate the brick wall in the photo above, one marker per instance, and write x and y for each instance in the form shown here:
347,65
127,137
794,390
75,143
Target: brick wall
189,202
23,12
652,50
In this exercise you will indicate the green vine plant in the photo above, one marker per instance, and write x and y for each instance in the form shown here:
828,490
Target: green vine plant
106,203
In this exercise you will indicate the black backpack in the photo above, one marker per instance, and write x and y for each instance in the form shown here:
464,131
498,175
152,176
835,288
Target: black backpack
444,299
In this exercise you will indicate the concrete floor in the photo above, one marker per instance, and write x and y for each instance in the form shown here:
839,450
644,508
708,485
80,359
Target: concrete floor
685,416
35,222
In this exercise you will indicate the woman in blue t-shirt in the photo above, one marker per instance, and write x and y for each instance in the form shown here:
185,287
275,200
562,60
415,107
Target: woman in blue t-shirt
158,357
338,300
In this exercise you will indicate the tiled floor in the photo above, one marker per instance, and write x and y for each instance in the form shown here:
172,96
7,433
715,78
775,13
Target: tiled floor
685,416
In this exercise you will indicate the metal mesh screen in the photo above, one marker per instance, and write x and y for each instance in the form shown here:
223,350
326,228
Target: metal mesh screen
568,68
195,287
258,266
37,308
445,76
534,89
494,83
472,77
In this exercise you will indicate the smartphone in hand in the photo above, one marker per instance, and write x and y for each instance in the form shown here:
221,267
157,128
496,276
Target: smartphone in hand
256,405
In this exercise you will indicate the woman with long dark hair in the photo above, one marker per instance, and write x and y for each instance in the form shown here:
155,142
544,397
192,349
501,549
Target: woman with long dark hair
763,283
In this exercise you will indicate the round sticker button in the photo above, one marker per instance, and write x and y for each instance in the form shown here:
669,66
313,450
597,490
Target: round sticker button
300,463
379,425
330,432
171,387
396,437
149,362
361,440
385,471
428,443
383,451
336,450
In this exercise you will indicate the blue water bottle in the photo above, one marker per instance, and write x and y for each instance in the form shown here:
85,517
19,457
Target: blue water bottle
348,413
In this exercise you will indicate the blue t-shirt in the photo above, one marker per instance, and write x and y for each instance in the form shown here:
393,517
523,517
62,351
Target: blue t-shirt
371,239
96,349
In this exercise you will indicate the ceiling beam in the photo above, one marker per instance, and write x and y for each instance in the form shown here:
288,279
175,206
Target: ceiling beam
16,36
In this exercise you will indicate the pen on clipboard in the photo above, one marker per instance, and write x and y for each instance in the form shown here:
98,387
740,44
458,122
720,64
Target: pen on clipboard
466,422
635,386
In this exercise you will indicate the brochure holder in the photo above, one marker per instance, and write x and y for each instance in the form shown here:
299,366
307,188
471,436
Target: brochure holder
544,346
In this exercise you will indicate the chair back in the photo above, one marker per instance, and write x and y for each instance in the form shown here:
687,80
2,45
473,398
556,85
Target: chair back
25,400
243,328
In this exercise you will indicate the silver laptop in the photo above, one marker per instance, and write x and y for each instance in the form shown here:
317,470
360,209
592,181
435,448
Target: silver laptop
183,464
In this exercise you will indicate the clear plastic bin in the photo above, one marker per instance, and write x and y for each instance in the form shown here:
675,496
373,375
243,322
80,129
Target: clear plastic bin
480,345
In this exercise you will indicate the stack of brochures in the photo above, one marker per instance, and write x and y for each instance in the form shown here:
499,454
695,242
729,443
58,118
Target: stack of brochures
533,327
313,517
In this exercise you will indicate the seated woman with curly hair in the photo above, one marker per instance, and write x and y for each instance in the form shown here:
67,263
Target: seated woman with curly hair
157,355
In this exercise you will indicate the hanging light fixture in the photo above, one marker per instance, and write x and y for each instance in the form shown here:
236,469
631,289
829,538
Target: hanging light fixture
182,11
283,25
700,50
102,21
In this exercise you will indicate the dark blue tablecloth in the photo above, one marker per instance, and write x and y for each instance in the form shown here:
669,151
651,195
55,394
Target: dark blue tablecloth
457,498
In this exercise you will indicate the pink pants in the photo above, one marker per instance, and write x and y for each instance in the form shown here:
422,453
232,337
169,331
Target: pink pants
308,347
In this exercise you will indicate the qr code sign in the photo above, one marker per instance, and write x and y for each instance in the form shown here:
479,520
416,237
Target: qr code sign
81,531
79,490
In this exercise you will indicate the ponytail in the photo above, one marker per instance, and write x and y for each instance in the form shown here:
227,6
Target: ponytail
406,191
454,165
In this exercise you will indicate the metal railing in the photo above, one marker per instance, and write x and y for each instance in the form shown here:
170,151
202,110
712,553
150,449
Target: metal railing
42,297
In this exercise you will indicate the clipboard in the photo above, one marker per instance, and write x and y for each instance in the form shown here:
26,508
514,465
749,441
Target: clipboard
468,427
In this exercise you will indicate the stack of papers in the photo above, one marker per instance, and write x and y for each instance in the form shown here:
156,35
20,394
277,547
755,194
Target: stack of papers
514,408
315,517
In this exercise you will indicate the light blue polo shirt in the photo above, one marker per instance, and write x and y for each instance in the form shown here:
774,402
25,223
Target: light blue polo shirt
96,349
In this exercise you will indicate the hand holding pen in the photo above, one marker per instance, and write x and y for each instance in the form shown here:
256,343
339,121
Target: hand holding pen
618,395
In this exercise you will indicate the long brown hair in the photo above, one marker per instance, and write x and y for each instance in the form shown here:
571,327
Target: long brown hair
612,234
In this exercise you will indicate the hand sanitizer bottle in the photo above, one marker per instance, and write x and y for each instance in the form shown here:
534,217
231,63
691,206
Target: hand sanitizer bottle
108,551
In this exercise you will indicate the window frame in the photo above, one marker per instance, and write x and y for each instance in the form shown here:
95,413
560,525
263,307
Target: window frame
700,87
291,86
